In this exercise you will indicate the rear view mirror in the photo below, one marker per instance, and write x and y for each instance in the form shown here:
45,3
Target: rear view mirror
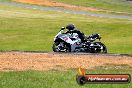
62,28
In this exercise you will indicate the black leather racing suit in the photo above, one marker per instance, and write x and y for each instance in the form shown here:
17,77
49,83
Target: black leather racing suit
80,34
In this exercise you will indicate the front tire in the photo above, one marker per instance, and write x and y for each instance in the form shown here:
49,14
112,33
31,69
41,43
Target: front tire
61,47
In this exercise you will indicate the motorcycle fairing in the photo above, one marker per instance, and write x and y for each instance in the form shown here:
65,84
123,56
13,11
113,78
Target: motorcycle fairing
66,38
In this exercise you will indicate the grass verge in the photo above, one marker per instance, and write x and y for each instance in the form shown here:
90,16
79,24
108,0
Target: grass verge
34,30
59,79
113,5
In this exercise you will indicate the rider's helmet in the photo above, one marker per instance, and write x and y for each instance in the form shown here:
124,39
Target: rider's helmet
70,27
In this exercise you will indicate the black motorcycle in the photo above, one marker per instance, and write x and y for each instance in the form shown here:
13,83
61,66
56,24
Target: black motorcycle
65,43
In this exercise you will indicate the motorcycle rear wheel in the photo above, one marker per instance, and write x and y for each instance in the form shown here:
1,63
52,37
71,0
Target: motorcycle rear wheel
103,48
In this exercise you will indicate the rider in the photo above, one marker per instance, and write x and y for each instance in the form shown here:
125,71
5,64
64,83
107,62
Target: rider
72,29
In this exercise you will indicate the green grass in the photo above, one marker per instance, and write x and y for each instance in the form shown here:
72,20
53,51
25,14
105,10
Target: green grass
5,0
34,30
58,79
113,5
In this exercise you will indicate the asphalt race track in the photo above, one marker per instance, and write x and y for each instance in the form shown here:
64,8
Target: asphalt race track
67,11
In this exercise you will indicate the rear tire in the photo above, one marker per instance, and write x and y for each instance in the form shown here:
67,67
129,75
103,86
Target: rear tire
103,48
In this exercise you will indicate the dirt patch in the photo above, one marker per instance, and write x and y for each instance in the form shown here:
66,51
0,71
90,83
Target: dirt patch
12,61
68,6
57,4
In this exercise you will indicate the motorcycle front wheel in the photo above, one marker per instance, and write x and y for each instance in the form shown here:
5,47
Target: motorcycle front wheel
61,47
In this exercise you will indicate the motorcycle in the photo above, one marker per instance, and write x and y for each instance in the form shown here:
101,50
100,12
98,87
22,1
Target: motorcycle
67,42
